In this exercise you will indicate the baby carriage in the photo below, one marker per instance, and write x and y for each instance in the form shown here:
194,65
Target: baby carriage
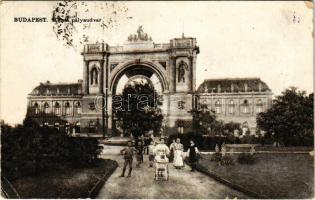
161,167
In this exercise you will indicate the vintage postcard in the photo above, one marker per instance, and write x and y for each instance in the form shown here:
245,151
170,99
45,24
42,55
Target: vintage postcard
157,99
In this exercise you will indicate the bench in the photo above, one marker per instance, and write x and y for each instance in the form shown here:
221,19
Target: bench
240,148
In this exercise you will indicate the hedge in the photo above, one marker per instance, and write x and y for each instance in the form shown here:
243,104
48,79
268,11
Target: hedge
30,151
207,142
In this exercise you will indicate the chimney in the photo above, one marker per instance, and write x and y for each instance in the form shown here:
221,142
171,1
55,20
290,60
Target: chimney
219,88
205,88
259,86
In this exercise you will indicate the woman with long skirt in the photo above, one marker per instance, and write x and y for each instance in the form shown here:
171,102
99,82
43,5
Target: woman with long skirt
178,154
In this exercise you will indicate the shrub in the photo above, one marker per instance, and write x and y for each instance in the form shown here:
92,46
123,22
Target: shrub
227,160
245,158
203,142
32,150
216,157
185,139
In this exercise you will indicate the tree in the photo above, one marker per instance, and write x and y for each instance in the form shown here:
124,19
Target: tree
204,121
138,109
232,126
290,118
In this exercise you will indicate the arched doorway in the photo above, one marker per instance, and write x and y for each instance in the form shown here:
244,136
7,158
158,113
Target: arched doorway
129,72
132,75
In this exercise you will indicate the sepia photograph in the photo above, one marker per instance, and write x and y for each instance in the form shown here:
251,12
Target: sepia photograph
157,99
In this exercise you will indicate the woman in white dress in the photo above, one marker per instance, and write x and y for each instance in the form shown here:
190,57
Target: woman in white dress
178,154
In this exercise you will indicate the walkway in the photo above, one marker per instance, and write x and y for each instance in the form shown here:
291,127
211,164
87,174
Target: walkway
182,183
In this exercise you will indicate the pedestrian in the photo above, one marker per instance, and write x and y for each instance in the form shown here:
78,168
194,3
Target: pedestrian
128,153
172,146
147,142
142,139
151,153
192,153
139,153
178,154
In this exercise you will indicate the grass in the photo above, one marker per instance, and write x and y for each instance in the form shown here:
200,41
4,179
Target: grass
282,149
283,175
69,183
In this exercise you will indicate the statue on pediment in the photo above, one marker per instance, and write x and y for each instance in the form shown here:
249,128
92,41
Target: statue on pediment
140,36
140,33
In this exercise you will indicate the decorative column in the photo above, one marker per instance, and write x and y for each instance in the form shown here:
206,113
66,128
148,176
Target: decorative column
73,108
172,77
86,77
101,77
52,107
194,58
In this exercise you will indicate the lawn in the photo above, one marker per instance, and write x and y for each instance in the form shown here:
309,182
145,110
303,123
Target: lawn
284,175
283,149
69,183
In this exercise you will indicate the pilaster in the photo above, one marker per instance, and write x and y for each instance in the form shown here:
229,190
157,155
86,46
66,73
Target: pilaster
85,77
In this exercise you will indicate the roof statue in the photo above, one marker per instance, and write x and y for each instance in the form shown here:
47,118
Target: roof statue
140,36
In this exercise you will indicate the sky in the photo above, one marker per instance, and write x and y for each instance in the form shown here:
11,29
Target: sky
269,40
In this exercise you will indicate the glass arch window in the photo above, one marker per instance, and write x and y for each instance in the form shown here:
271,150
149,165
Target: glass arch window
67,108
46,108
36,108
259,106
231,107
218,107
245,106
57,108
78,108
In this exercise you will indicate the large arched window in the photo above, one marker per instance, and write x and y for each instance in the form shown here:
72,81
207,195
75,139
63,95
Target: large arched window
67,108
77,108
245,106
218,106
57,108
259,106
36,108
94,76
231,107
46,108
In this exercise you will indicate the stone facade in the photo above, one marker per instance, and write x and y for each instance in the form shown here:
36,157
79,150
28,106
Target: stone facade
58,105
236,99
170,67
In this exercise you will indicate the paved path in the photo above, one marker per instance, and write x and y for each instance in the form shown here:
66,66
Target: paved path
182,183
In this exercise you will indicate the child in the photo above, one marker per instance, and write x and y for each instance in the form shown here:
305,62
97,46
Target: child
128,156
151,153
139,153
193,153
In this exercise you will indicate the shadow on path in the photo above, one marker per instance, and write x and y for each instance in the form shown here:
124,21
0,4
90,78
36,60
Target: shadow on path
182,183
